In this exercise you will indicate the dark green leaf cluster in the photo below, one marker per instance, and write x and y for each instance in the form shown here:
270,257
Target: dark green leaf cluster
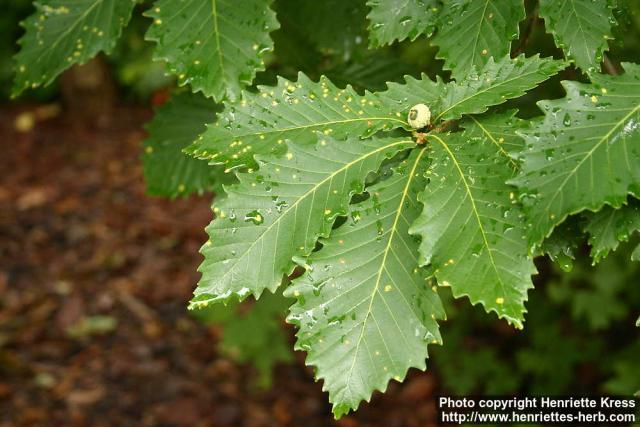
330,184
578,315
442,214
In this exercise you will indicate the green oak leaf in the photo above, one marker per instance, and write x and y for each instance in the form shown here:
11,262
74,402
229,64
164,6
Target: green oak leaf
167,170
400,97
472,31
364,309
471,227
393,20
278,212
581,28
501,129
608,227
260,122
563,244
584,154
496,82
62,33
214,45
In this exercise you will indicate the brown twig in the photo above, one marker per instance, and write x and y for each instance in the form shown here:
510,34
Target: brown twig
446,125
421,137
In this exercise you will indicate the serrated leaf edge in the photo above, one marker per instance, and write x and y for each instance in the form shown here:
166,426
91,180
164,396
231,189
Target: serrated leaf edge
203,300
501,83
616,202
517,323
339,410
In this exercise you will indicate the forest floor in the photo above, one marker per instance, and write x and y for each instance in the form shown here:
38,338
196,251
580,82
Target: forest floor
94,281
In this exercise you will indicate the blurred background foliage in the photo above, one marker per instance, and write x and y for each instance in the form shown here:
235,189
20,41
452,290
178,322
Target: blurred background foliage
580,334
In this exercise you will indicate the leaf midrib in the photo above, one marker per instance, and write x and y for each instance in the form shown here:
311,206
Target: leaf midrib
587,156
496,143
216,32
477,35
474,208
387,249
80,18
318,124
481,92
582,32
312,190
